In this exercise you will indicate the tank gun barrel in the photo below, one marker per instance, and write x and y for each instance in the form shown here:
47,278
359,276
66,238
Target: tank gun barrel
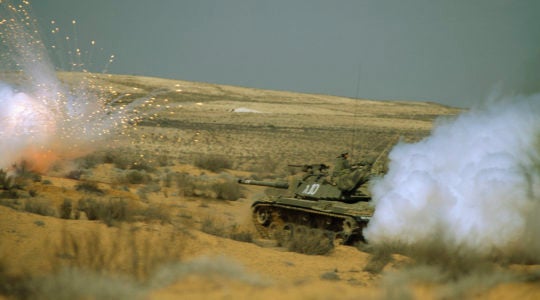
279,185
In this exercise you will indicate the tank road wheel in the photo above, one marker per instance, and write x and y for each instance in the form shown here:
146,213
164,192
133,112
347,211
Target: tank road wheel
347,226
277,228
324,223
300,230
287,232
273,230
341,237
325,238
263,216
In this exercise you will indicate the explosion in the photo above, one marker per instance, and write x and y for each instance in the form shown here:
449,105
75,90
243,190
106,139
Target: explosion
24,116
41,118
25,124
472,187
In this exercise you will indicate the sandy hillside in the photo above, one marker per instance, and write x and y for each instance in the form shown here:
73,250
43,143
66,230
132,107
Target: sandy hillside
155,212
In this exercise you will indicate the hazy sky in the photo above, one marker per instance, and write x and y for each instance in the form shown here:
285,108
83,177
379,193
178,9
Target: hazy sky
449,51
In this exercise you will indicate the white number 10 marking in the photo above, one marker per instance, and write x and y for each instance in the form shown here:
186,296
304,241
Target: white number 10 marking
311,189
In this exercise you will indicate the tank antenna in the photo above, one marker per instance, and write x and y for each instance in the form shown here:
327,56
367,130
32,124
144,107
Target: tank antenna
357,96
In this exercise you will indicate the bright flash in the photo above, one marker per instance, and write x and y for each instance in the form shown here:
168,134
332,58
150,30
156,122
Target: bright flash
25,116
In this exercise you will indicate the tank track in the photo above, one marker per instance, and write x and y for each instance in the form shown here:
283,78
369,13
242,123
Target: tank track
273,221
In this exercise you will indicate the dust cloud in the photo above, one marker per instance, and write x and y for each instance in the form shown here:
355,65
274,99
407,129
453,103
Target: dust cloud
471,189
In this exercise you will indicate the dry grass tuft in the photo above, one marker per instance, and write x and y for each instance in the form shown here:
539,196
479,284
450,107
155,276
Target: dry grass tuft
66,209
122,158
310,241
137,177
6,181
109,211
39,206
157,212
222,187
99,264
227,189
213,162
25,171
215,226
131,251
89,187
212,226
13,285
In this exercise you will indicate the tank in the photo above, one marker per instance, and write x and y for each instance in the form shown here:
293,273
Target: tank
316,201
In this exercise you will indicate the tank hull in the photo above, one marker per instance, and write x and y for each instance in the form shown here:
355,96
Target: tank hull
280,217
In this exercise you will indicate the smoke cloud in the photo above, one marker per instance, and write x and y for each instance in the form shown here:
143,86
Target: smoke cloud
473,185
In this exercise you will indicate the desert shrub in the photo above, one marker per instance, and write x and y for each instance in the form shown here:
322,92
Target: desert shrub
10,202
168,179
163,161
214,227
9,194
108,211
213,162
74,174
186,183
128,251
227,190
119,158
115,210
38,206
89,187
143,165
151,187
238,234
13,285
98,265
123,162
124,159
222,187
211,268
78,283
265,165
379,258
32,193
310,241
90,207
137,177
143,195
8,186
6,181
24,171
65,209
91,160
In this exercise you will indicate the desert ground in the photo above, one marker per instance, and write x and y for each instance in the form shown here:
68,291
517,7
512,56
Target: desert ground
154,211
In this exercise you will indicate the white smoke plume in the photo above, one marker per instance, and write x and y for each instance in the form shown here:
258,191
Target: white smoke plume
473,185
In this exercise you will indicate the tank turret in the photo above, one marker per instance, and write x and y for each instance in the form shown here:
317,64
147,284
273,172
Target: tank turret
316,184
